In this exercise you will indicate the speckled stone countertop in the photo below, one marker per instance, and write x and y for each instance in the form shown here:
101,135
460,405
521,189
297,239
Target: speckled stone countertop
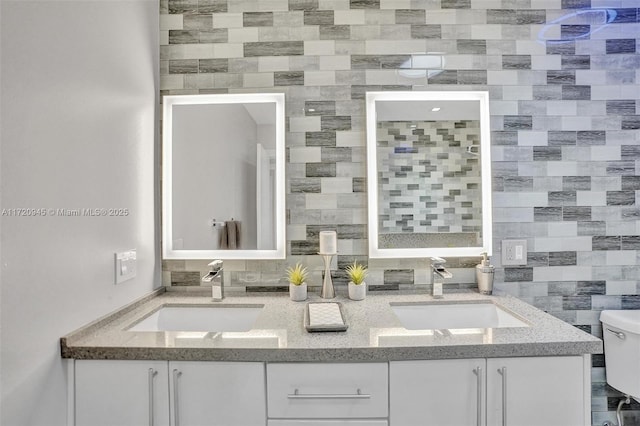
374,333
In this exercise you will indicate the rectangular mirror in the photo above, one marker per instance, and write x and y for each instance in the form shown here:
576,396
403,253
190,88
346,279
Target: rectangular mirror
429,174
223,176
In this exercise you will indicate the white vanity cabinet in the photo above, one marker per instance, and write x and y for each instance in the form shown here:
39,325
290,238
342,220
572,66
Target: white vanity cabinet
217,393
323,394
121,393
439,392
169,393
533,391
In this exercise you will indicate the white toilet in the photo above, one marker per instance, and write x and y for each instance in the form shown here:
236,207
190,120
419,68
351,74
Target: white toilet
621,333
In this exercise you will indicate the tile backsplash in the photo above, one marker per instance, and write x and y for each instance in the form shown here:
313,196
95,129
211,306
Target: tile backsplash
563,82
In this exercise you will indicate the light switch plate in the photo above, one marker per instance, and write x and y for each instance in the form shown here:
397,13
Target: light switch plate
514,252
126,265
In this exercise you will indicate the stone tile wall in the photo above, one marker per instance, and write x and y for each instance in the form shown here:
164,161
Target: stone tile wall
563,82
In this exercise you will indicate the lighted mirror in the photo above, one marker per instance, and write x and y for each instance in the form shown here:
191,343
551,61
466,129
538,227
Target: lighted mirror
223,176
429,174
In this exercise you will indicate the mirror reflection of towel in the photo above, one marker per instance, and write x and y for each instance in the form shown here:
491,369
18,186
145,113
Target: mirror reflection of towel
229,237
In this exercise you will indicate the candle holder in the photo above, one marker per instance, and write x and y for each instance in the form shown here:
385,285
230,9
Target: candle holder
328,292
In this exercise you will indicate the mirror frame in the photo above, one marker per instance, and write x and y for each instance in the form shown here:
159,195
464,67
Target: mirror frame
167,164
482,97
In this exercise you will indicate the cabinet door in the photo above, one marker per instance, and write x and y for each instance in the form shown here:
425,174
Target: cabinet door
437,393
217,393
121,393
536,391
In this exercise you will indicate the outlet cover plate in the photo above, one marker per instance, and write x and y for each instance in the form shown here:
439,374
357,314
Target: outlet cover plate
514,252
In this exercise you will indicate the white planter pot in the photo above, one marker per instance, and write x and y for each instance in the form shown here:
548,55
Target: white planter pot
298,293
357,291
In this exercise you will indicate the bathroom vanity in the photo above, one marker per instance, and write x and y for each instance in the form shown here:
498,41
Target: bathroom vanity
384,370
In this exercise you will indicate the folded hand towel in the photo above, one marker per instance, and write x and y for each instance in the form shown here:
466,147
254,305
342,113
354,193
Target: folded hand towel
233,234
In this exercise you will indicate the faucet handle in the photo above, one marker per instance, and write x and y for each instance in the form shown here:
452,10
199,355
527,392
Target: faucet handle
216,265
437,261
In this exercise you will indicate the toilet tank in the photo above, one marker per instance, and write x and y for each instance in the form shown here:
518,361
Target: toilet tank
621,333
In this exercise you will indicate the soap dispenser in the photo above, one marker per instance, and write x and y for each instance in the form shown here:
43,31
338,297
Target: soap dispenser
484,275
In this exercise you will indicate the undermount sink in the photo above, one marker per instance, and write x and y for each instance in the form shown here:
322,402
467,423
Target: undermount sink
200,318
430,316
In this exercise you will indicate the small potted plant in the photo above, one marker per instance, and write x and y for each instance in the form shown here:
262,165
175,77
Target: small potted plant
357,287
297,276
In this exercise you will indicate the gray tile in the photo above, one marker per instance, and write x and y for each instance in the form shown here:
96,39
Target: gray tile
621,198
318,17
499,137
183,6
197,22
621,46
353,232
592,228
547,93
517,183
630,152
621,107
320,138
576,62
274,48
518,274
398,276
630,242
518,122
591,137
472,77
531,17
320,170
605,243
573,214
183,37
630,123
288,78
217,35
570,303
502,16
562,198
562,258
455,4
630,183
305,185
576,183
335,32
364,4
410,16
547,214
257,19
303,5
185,278
332,123
576,93
330,155
430,31
212,6
621,168
359,184
516,62
472,46
561,48
576,4
561,77
547,153
185,66
213,65
537,259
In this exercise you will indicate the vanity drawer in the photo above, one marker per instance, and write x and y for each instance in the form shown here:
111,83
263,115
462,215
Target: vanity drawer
327,390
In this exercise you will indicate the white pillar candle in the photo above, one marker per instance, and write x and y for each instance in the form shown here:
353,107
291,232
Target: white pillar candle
328,242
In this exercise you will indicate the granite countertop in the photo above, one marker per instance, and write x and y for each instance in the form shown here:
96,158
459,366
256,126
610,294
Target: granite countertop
374,333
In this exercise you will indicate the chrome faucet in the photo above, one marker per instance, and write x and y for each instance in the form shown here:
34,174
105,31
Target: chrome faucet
438,274
215,276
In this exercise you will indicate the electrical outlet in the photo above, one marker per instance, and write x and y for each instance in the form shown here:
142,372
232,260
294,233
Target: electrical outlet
126,267
514,252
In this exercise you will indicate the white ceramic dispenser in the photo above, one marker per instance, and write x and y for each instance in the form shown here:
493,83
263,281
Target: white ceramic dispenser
484,275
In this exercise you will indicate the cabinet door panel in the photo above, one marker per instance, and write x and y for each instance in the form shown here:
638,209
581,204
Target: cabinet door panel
218,393
437,393
117,393
539,391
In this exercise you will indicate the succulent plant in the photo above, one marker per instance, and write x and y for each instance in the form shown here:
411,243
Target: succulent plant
357,273
297,275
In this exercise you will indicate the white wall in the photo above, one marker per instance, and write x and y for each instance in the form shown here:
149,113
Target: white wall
78,99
